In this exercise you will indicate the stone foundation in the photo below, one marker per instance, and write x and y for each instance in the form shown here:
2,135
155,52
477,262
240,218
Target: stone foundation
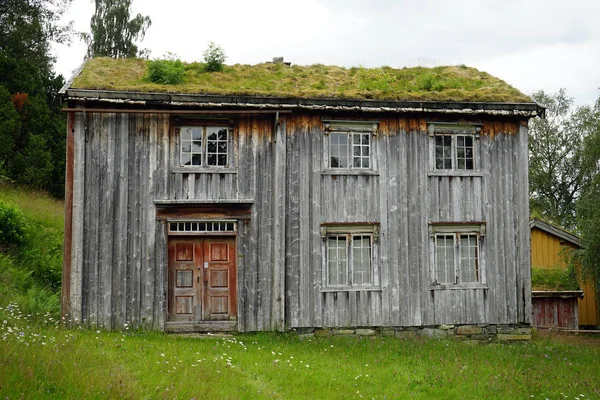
482,333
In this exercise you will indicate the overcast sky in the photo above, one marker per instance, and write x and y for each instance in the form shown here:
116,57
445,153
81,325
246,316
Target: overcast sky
532,45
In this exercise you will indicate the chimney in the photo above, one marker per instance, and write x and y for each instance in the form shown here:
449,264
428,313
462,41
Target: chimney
279,60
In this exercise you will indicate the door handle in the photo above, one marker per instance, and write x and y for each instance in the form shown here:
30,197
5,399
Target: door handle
198,279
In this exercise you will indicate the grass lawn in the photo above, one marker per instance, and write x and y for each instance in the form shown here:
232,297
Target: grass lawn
47,361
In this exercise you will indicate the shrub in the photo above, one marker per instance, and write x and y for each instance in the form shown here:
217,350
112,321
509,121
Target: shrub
167,71
214,58
12,224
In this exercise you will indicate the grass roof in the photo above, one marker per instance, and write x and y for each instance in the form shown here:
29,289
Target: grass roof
446,83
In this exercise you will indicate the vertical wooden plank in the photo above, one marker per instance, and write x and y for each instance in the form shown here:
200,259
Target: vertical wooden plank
120,225
65,301
160,275
76,278
278,235
316,258
151,127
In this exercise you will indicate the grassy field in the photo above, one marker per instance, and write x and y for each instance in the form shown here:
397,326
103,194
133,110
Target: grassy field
30,271
46,361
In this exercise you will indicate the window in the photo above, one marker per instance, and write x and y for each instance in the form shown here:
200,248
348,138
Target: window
350,150
349,254
204,146
348,145
454,147
456,253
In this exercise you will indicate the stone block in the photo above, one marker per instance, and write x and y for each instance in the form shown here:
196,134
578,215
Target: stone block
445,327
469,330
343,331
323,333
406,334
492,329
432,333
387,332
512,338
306,336
506,329
366,332
522,331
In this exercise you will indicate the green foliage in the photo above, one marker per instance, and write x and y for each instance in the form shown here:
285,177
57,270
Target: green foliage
12,224
32,132
30,269
557,167
113,33
214,58
554,278
168,71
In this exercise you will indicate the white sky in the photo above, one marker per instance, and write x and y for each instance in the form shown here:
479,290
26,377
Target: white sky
531,44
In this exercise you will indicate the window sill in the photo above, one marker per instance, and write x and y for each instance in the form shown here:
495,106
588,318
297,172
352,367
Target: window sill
464,286
354,289
455,173
203,170
350,172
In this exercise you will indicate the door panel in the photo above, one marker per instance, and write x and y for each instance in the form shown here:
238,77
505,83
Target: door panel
202,279
219,279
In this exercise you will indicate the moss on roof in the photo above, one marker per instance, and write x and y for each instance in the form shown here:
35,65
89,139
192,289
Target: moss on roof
447,83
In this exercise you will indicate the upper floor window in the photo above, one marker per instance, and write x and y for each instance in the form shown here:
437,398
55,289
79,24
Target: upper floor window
454,147
204,146
349,145
456,253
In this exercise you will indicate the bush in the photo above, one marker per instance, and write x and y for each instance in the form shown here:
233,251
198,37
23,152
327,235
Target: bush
214,58
167,71
12,224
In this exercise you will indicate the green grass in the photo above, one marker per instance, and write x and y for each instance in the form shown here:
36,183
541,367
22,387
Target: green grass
554,279
52,362
30,272
446,83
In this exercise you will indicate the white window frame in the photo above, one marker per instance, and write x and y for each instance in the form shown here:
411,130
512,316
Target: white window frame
351,129
204,147
457,231
454,131
348,232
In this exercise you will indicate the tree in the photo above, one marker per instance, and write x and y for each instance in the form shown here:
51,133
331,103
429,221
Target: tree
33,128
113,33
556,166
588,205
214,58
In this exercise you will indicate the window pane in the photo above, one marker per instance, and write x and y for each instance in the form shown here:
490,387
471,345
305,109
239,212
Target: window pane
444,247
464,152
186,159
216,146
186,146
196,159
360,150
338,150
196,146
443,152
361,260
337,260
196,133
469,258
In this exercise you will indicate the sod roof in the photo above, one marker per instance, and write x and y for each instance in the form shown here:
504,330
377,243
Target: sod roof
445,83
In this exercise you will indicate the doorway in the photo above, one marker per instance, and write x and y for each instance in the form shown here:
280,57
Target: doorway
202,279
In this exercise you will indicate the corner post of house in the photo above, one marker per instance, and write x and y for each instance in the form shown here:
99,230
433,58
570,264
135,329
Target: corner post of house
68,233
278,234
524,233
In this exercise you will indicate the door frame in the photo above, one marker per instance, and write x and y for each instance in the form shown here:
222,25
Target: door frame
229,230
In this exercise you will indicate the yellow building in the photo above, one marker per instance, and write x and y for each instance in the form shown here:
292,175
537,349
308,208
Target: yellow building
547,243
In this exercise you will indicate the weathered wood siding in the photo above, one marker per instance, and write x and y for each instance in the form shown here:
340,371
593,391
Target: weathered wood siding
404,200
124,162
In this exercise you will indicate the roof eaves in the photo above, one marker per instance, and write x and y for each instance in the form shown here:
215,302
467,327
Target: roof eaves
214,101
554,230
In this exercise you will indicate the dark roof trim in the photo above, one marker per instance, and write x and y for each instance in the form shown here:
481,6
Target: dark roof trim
212,101
562,294
554,230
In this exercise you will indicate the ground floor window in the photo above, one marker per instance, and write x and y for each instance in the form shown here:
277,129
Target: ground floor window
349,255
456,253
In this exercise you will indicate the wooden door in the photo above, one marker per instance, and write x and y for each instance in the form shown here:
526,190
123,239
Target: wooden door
219,300
202,279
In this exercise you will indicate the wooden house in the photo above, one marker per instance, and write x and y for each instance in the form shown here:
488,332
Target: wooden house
317,198
560,308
